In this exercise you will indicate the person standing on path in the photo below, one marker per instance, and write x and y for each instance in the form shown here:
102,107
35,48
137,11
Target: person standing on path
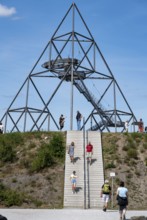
105,194
89,152
78,118
73,179
122,198
126,126
71,152
1,128
140,126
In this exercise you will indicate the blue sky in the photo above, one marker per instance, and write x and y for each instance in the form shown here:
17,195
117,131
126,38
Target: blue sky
118,27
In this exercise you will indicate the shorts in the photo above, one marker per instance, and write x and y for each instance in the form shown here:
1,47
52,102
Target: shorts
122,207
106,198
89,154
73,181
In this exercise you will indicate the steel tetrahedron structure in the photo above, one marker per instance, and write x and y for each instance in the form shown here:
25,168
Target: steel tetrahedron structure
72,61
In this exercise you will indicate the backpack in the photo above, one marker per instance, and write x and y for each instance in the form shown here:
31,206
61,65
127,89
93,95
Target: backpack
2,217
106,188
122,201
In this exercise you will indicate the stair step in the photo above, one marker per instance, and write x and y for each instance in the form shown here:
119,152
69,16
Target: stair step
96,174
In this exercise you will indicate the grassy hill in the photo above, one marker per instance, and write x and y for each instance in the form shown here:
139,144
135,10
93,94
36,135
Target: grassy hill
32,168
126,155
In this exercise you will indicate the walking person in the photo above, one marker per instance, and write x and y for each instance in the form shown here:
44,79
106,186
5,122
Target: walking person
105,194
122,198
73,179
61,122
71,152
78,118
89,152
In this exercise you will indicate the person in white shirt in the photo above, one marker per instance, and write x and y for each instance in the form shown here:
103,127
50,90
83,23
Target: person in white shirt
122,197
73,179
126,126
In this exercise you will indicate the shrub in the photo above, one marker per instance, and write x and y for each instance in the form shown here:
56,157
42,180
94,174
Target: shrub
7,153
8,144
137,173
146,161
31,145
37,134
110,165
48,154
129,176
57,145
10,197
44,158
136,135
145,137
132,163
125,148
15,138
142,150
145,145
131,143
132,153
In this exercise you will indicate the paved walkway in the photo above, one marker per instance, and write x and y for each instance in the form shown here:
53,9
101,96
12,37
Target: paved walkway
65,214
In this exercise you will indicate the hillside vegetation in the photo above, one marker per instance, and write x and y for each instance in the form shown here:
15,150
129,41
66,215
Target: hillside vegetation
32,168
126,155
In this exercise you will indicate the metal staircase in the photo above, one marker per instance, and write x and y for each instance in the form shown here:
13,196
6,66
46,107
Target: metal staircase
106,119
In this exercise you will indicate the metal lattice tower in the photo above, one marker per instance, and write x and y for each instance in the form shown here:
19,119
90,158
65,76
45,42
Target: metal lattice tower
59,64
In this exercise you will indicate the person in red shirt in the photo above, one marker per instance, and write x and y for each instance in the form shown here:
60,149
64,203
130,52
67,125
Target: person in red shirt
141,126
89,152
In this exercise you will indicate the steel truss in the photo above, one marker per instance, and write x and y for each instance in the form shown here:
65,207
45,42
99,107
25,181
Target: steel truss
55,63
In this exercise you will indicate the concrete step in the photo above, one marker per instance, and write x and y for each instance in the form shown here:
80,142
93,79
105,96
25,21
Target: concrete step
96,175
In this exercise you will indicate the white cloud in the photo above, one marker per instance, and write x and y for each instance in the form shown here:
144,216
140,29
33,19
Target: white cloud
5,11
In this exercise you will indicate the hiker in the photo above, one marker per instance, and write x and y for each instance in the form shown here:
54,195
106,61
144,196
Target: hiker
73,179
89,152
61,122
122,199
71,152
78,118
105,194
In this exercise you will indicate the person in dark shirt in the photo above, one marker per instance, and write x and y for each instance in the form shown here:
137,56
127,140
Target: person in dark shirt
1,128
61,122
78,118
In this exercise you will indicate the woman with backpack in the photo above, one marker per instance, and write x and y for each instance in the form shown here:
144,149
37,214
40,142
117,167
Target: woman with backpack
122,199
